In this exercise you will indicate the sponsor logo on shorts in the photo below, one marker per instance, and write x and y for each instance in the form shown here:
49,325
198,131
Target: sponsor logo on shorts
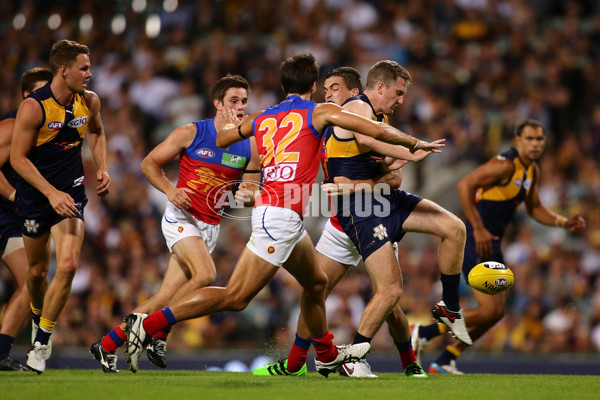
55,125
31,225
271,250
180,229
380,232
78,181
77,122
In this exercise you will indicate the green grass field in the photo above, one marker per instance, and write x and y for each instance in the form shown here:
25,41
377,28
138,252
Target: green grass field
180,385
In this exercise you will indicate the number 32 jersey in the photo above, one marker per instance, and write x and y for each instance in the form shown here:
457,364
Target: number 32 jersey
289,148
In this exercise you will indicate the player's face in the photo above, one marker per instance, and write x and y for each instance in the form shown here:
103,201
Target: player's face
392,96
236,99
531,143
336,90
78,74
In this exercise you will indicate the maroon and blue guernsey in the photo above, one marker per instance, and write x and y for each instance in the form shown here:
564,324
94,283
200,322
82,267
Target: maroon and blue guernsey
210,172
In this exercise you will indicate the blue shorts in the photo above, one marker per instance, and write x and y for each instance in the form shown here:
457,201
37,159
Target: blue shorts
10,225
370,232
471,259
37,215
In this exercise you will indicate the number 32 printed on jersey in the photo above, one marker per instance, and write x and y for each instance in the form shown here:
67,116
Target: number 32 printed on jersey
275,142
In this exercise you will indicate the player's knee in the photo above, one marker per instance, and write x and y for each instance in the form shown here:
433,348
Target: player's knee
237,302
67,269
37,273
201,281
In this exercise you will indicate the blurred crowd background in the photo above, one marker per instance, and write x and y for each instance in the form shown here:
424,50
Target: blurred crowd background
479,66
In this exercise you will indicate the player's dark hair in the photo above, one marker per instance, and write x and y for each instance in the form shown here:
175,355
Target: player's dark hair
299,73
529,122
387,71
33,76
65,52
227,82
349,75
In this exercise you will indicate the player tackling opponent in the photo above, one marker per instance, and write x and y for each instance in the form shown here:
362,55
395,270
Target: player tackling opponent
288,139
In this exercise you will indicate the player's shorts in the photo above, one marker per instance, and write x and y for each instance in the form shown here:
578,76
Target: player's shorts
10,226
471,259
370,232
337,246
275,232
37,215
178,224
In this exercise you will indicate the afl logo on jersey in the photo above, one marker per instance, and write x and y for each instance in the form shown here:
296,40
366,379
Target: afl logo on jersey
206,153
77,122
55,125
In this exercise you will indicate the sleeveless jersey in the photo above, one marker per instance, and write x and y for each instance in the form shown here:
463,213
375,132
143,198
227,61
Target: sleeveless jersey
211,172
347,157
350,159
57,151
498,204
288,146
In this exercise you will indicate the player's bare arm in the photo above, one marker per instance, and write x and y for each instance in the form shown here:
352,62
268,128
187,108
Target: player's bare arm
97,142
543,215
6,127
162,154
231,133
331,114
496,171
25,133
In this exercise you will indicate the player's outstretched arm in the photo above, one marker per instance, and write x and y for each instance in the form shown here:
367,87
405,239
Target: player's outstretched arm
233,131
331,114
543,215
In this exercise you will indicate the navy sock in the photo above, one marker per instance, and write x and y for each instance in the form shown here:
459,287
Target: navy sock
6,343
445,358
450,291
429,331
358,338
301,342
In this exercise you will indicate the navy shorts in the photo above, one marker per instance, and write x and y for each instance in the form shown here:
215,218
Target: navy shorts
371,231
471,259
10,225
37,215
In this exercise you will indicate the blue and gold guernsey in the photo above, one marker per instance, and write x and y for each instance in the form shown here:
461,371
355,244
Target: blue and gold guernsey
369,219
496,207
57,156
498,204
347,157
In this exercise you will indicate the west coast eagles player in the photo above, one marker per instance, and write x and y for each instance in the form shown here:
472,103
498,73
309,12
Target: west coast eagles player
49,131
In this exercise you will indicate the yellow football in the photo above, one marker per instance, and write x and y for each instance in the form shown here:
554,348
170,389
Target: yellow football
491,277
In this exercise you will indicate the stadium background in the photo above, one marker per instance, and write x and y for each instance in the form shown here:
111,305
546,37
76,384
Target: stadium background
479,66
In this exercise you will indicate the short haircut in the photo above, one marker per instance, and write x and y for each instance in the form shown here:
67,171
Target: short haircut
65,52
299,73
33,76
529,122
227,82
386,71
349,75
